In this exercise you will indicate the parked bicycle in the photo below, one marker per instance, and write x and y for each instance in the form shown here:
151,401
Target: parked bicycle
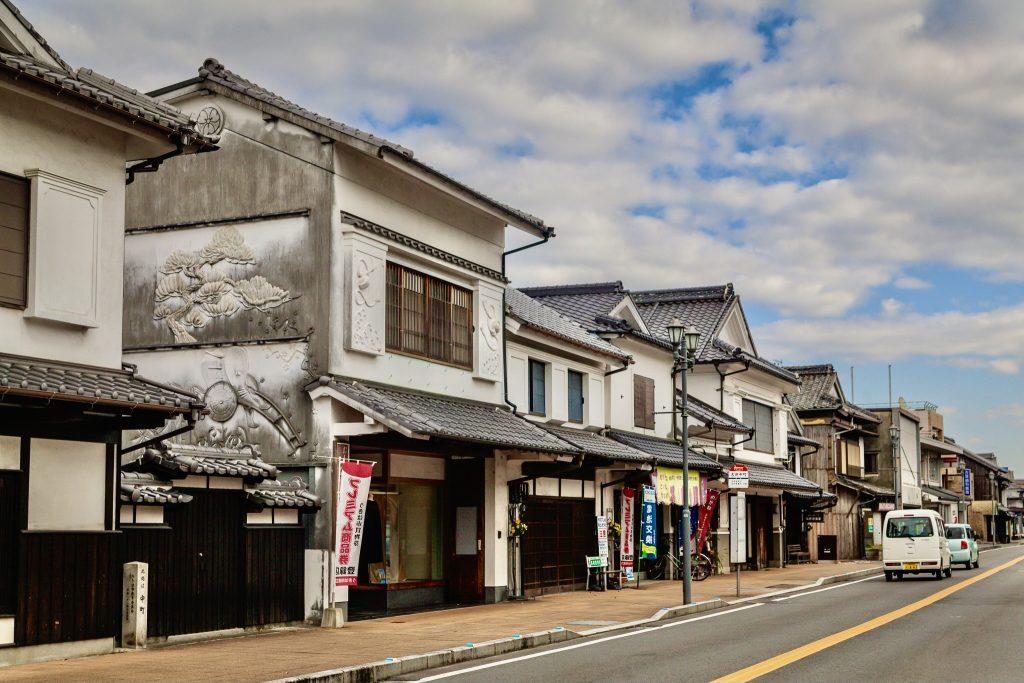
701,566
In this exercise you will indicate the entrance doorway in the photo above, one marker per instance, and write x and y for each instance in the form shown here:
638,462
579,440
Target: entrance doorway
465,480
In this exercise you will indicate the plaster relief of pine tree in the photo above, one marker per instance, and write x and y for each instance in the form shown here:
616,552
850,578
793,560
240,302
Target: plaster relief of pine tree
195,287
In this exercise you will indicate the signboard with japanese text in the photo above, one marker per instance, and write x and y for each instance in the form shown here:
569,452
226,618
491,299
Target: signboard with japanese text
739,476
813,516
602,539
627,523
967,483
649,524
351,491
886,507
738,528
668,484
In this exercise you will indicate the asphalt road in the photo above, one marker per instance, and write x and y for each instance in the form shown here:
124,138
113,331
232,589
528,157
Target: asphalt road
918,629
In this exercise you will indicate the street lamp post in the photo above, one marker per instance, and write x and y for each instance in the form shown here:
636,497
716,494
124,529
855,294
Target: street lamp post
897,463
684,340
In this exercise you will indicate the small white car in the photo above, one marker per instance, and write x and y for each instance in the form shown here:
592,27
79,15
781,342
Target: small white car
914,542
963,547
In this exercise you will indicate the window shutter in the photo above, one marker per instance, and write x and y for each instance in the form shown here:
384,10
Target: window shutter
575,388
14,200
643,402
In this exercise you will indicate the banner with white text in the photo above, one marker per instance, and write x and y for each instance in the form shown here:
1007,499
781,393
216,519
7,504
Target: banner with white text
628,508
351,492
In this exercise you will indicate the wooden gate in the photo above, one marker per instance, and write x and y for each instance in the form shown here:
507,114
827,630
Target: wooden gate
561,533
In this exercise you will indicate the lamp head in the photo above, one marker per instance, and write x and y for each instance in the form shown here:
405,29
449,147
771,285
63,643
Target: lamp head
675,331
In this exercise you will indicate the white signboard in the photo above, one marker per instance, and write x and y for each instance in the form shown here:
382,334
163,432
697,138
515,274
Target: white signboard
738,528
739,477
602,539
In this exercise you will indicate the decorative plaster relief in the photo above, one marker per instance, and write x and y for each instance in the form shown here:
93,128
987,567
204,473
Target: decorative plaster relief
488,332
366,283
64,250
195,286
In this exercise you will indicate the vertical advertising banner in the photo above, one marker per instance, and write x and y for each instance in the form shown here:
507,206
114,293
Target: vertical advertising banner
602,539
628,507
649,524
704,517
351,491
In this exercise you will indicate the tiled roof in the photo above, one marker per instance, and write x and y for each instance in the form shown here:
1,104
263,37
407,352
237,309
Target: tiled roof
283,494
143,488
702,307
816,383
588,305
722,350
819,495
420,414
86,384
713,417
101,91
665,451
777,477
801,440
180,460
592,443
541,317
35,34
940,492
217,73
866,487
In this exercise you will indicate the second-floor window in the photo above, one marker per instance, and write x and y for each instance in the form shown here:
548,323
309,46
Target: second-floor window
848,457
14,197
538,387
575,396
643,402
760,418
870,462
429,317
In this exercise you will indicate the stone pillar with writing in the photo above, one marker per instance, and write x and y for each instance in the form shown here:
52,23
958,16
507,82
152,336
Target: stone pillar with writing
135,605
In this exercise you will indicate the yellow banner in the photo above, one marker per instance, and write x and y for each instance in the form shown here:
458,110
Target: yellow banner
668,485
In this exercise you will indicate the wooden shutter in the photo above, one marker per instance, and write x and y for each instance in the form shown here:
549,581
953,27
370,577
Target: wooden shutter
14,199
643,402
575,389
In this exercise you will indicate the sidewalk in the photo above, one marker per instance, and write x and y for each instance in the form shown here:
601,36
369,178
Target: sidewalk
291,652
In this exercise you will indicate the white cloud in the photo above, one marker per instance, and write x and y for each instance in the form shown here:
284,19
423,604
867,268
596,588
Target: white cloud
883,135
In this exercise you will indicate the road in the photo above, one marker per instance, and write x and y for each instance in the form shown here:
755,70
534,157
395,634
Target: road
965,628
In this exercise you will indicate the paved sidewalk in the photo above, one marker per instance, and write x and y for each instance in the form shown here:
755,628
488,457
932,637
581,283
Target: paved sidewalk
290,652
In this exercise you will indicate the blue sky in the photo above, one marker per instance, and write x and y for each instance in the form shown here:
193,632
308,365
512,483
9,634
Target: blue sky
854,168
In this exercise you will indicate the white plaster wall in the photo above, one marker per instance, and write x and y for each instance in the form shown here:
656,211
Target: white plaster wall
910,447
66,488
649,361
39,136
518,358
10,452
747,385
496,477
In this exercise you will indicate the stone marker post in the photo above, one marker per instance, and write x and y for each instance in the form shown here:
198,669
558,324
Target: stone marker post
135,605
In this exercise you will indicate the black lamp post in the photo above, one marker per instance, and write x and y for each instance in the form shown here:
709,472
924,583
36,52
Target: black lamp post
897,462
684,340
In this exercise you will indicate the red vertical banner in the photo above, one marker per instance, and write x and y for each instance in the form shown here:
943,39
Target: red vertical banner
704,516
350,494
628,512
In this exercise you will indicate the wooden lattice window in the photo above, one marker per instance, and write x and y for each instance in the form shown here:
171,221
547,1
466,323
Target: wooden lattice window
428,317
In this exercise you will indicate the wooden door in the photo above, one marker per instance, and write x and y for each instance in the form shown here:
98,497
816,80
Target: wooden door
208,560
10,524
465,540
561,533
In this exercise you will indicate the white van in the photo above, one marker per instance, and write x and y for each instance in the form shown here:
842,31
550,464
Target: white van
914,542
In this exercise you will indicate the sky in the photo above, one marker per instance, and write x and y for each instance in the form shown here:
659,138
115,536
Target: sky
854,168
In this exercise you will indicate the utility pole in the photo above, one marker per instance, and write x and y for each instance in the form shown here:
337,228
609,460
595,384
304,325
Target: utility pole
894,439
684,339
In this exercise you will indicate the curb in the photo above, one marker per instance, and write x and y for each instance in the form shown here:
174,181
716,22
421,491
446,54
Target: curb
822,581
398,666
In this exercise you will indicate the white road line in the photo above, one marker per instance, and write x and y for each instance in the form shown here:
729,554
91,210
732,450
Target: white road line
828,588
588,643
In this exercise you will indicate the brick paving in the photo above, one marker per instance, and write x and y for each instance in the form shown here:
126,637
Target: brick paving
289,652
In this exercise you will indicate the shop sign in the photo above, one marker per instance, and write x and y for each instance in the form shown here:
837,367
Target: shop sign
351,491
596,562
967,483
626,548
649,524
707,512
886,507
812,516
739,476
668,483
602,539
738,528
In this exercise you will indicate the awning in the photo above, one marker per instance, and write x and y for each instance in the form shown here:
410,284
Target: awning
775,477
175,461
51,380
712,417
143,488
664,451
941,446
863,486
595,444
423,416
798,440
283,494
814,500
939,493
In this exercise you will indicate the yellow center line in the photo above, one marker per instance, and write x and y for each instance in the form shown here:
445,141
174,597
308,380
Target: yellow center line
795,655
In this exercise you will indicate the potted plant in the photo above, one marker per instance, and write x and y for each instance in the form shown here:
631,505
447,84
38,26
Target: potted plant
517,529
